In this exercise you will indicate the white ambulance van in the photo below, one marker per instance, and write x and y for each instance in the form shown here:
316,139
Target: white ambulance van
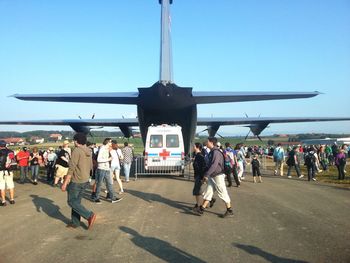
164,149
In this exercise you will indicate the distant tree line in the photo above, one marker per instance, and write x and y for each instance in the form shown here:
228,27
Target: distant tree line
65,134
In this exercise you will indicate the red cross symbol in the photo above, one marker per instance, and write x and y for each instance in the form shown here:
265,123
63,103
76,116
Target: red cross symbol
164,154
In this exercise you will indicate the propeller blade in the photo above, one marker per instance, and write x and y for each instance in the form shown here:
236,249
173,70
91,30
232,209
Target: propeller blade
246,115
222,137
79,117
259,138
93,116
203,130
247,135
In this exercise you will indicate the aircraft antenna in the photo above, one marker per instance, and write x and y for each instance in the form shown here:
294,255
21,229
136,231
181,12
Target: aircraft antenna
166,60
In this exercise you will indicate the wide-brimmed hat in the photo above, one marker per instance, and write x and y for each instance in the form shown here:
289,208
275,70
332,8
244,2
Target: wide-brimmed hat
51,149
66,142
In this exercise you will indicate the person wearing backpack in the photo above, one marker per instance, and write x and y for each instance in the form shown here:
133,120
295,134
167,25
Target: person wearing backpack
215,179
7,157
256,168
231,165
278,158
340,161
310,162
241,162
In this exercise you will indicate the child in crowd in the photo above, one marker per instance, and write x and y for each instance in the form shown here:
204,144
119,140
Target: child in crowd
256,168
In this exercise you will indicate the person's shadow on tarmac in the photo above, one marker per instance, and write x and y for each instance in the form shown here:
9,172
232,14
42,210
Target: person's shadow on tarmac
47,206
150,197
253,250
159,248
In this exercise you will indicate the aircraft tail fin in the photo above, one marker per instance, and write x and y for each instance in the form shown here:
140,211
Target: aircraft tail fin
166,63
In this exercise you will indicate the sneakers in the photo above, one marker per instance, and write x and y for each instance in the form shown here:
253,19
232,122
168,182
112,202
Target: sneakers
212,202
71,225
289,176
301,176
313,179
3,203
12,202
91,220
97,201
198,210
228,213
116,200
93,195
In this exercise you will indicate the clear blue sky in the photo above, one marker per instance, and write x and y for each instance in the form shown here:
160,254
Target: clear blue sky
225,45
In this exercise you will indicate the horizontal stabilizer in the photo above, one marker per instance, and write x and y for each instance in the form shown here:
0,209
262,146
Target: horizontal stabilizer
111,98
217,97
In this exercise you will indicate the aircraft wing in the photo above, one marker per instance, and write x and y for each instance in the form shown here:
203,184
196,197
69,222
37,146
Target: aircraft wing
217,97
133,97
111,97
263,120
78,122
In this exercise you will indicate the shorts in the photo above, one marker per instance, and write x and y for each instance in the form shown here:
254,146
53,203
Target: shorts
61,171
113,168
197,186
217,184
6,180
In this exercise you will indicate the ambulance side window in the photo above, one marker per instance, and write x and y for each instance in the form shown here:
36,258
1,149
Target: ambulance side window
156,141
172,141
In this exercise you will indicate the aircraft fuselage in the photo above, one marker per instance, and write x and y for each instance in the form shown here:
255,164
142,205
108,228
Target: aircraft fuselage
167,104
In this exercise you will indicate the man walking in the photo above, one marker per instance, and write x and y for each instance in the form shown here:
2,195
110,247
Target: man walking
278,158
104,172
215,179
77,180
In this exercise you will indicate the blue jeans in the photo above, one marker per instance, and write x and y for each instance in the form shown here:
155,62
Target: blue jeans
75,193
104,175
126,167
35,172
23,173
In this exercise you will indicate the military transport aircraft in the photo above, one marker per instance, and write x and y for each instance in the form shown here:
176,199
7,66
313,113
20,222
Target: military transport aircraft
166,103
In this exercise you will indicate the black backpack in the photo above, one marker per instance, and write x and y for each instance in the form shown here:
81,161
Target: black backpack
3,159
309,159
6,155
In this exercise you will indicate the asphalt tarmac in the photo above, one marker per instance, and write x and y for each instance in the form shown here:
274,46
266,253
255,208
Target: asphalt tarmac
279,220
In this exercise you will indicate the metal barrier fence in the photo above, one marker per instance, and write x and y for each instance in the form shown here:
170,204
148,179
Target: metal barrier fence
186,170
162,167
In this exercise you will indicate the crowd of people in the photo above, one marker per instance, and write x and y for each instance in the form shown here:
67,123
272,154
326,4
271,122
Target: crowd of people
231,162
107,162
316,158
73,169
